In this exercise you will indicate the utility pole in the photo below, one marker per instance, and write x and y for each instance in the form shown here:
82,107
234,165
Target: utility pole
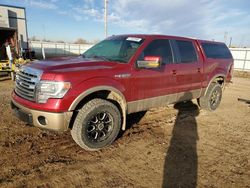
230,43
225,37
44,32
106,18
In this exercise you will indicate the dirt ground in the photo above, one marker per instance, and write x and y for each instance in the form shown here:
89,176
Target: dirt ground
175,146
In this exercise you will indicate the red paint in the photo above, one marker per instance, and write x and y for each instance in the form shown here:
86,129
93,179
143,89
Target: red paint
152,58
85,74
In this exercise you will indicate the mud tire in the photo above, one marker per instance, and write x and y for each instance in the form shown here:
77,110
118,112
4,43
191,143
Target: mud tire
212,98
90,116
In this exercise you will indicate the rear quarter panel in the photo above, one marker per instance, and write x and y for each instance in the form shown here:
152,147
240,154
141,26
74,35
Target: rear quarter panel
215,67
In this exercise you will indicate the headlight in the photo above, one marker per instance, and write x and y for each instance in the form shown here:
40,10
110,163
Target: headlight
51,89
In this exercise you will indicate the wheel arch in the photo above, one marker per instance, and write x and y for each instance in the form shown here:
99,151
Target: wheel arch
105,92
218,78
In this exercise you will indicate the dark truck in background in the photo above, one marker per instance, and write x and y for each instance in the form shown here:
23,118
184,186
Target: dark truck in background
92,94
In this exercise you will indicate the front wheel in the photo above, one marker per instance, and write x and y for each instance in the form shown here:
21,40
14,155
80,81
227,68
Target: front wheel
212,99
97,125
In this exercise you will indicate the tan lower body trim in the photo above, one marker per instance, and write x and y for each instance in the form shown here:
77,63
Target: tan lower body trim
145,104
54,121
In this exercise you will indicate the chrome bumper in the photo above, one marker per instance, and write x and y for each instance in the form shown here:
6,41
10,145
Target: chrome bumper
42,119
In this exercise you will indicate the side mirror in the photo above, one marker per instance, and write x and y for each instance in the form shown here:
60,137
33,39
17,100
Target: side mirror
151,62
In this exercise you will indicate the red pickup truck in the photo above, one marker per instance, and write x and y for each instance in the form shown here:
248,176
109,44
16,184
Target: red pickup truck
92,94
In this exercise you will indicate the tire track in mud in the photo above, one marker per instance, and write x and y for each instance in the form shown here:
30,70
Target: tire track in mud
49,151
44,149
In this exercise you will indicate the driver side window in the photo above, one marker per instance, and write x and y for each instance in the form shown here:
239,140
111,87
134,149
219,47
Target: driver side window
159,47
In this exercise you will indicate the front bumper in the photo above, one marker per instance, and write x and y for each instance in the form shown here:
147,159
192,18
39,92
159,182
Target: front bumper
42,119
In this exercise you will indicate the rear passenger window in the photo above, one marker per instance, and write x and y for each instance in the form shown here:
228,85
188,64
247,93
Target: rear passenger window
186,51
159,47
216,51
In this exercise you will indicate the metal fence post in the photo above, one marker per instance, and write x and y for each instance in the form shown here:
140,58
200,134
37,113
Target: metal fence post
43,51
245,60
64,49
41,47
55,48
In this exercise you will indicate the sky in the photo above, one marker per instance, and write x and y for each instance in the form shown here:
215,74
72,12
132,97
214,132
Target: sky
69,20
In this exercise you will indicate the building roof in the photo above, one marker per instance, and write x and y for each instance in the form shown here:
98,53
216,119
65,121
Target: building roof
12,6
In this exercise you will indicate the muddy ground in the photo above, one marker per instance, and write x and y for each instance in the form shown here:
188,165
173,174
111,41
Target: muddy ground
175,146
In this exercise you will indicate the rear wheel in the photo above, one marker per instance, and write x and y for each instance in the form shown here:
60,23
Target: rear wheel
212,99
97,125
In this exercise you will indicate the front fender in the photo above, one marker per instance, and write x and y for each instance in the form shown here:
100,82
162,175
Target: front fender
96,84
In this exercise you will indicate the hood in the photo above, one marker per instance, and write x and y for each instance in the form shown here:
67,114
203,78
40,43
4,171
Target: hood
71,64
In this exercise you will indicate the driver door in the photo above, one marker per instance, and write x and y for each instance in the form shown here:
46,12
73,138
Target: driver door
153,87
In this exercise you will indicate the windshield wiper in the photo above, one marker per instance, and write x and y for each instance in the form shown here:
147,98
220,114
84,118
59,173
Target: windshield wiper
101,57
119,60
107,59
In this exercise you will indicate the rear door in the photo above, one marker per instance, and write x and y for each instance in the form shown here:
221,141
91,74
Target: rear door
189,69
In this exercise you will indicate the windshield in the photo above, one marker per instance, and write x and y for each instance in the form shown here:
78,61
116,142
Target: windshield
115,49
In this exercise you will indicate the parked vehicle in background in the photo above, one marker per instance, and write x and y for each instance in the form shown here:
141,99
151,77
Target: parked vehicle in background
92,94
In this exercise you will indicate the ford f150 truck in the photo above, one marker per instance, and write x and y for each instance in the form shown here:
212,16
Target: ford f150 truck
92,94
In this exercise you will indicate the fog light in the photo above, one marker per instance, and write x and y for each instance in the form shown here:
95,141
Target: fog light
42,120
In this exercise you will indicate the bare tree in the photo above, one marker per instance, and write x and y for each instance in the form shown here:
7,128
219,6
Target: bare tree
80,41
34,38
60,41
95,41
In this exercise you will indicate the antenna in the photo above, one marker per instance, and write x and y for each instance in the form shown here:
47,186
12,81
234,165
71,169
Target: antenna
106,18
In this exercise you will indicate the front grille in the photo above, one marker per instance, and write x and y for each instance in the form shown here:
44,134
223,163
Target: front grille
26,80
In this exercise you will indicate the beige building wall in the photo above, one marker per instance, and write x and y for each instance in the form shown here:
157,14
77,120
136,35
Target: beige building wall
16,20
4,19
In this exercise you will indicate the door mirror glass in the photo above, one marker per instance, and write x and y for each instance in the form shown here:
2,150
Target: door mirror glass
150,62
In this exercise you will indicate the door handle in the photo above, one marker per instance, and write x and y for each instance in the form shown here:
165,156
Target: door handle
199,70
174,72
